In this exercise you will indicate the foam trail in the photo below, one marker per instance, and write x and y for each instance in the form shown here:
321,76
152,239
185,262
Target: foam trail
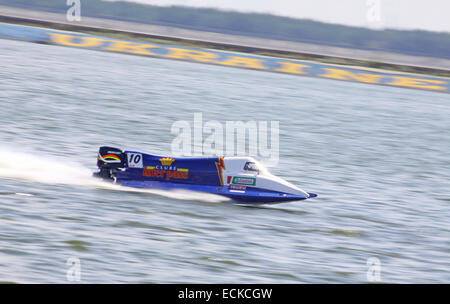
23,194
175,194
44,169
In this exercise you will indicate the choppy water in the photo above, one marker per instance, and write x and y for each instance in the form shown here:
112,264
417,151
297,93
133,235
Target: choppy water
377,156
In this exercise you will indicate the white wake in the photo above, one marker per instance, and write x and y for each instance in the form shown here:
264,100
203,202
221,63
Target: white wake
52,170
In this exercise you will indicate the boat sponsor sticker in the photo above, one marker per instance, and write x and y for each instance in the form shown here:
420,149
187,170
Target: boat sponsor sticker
109,158
241,180
166,172
166,161
237,191
220,165
238,187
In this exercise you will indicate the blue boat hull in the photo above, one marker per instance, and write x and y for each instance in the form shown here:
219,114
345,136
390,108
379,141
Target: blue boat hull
248,196
241,179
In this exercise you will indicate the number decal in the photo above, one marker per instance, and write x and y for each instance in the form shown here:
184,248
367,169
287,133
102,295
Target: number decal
134,160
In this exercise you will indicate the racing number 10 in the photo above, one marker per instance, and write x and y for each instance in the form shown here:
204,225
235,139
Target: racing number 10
134,160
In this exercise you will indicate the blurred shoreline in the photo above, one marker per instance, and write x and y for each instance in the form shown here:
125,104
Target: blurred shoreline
208,40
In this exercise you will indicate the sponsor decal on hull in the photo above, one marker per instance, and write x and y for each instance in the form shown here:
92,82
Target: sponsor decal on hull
166,170
242,180
238,187
220,165
167,174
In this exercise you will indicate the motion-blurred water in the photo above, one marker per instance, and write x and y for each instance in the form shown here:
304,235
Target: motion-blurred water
377,156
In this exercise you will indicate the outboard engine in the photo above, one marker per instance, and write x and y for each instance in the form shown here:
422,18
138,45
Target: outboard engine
109,161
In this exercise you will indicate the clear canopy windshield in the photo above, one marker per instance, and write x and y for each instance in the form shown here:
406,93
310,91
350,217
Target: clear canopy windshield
254,167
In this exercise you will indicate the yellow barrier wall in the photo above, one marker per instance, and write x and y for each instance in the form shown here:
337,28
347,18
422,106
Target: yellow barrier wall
295,67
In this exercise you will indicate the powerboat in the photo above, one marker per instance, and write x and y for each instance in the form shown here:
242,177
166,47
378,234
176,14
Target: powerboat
241,179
